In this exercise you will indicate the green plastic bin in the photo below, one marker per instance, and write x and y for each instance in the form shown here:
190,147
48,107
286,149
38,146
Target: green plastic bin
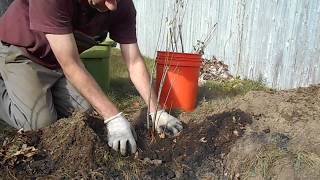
97,62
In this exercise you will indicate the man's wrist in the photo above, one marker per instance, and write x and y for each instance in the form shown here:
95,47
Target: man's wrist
157,111
107,120
109,111
154,108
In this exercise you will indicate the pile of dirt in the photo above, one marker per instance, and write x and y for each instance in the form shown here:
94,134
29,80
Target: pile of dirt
262,135
76,147
67,147
71,145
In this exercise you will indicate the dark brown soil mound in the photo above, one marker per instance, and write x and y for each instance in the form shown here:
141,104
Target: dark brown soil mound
66,147
182,156
76,147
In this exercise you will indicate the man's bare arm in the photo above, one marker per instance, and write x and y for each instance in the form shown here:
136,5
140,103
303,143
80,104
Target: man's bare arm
65,49
138,73
141,79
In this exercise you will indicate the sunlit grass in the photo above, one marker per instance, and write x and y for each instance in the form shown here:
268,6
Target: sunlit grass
230,88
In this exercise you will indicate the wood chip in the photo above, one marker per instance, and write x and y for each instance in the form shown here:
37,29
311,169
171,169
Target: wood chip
236,133
162,135
203,140
154,161
234,119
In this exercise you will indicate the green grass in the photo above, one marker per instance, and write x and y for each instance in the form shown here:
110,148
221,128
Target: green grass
117,67
214,95
122,90
230,88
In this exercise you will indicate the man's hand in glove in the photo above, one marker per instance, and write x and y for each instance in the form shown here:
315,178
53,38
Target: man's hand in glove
121,134
164,122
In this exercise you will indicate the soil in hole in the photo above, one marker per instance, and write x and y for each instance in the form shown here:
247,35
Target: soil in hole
75,148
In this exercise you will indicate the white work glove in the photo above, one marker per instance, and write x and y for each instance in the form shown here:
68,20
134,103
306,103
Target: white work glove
121,133
164,122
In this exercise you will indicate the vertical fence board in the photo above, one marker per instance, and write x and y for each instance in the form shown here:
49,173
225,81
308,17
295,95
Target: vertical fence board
276,41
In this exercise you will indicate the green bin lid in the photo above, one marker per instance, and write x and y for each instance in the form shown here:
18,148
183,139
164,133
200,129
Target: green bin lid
98,51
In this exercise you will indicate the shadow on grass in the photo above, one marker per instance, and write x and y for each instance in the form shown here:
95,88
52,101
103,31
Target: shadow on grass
122,88
123,93
5,130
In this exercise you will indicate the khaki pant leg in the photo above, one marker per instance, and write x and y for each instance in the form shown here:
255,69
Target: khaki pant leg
26,100
67,99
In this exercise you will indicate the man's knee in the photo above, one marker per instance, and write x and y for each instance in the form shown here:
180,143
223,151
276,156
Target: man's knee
32,119
19,115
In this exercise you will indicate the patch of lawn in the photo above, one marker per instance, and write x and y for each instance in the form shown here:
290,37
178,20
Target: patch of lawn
122,90
229,88
215,95
118,68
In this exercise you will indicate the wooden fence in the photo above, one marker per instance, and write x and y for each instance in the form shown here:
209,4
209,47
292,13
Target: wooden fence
277,41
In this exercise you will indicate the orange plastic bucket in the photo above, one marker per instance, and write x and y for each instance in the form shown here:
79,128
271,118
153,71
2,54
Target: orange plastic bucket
179,73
